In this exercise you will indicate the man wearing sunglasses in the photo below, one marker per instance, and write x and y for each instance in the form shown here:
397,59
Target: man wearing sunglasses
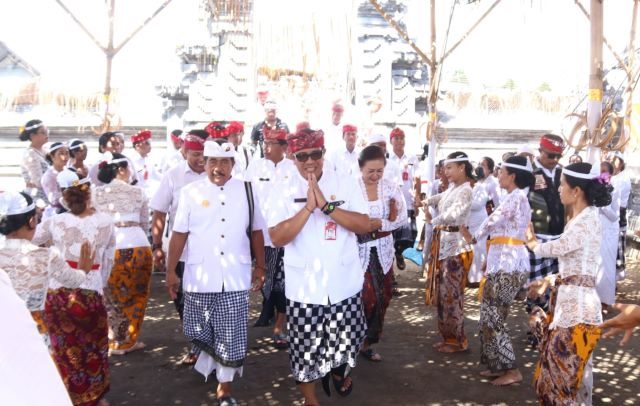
315,216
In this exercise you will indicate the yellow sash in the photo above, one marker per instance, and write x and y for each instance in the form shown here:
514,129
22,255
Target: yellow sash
502,241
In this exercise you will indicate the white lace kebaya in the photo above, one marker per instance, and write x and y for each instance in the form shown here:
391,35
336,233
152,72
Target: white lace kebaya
577,250
510,219
31,268
454,206
67,232
380,209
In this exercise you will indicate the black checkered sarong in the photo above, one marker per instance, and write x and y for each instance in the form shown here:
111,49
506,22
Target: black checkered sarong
541,267
217,324
324,337
274,278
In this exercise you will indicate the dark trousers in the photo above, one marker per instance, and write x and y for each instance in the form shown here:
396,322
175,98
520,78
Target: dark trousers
179,300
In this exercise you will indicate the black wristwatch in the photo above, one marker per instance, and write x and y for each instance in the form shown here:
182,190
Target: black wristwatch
156,247
329,207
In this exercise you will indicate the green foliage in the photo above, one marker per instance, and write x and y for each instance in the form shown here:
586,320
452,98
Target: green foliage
544,87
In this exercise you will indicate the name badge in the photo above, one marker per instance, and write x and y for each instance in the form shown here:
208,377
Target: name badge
330,230
405,176
540,183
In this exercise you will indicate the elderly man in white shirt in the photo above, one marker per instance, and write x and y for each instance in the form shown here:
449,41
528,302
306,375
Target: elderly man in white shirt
316,216
264,173
165,201
345,158
219,226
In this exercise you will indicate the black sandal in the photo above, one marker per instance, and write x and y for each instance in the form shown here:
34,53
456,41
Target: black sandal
325,384
339,382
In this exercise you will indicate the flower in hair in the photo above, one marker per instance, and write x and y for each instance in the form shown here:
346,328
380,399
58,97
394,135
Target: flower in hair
604,178
102,164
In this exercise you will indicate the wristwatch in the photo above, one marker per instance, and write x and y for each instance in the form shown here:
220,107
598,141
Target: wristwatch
329,207
156,247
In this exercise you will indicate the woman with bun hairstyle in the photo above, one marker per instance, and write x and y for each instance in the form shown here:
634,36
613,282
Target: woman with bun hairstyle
451,255
34,163
568,335
76,316
127,290
507,269
78,154
31,267
57,157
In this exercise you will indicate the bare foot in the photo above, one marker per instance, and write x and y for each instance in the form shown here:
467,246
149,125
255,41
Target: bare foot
510,377
489,374
451,348
137,346
103,402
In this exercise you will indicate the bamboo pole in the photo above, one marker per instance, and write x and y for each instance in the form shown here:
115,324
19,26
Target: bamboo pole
604,39
432,105
110,51
594,105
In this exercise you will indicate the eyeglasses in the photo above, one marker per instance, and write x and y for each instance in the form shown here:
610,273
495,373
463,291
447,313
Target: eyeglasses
551,155
304,156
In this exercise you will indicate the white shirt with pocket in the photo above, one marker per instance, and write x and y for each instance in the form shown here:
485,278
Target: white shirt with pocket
321,264
218,255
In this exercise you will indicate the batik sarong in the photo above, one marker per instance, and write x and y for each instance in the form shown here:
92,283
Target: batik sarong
126,295
77,323
564,354
376,295
324,337
217,324
499,291
450,281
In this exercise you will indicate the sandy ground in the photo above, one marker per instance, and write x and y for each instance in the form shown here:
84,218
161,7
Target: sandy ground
412,373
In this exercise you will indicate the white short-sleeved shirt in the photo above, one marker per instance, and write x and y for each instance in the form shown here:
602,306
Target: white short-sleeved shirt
345,162
393,173
263,175
408,166
319,270
218,254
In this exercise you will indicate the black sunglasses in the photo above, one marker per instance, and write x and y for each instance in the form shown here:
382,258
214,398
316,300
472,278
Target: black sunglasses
304,156
551,155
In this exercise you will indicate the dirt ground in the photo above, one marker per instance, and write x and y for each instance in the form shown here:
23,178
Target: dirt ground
412,373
